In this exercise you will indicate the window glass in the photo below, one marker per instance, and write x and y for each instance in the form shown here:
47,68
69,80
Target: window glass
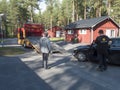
70,32
83,31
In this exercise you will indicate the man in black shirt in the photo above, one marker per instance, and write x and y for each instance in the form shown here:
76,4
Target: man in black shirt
102,50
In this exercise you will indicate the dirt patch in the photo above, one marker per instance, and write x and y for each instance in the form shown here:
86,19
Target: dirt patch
8,51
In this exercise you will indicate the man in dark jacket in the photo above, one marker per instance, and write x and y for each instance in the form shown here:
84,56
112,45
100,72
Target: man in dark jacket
102,42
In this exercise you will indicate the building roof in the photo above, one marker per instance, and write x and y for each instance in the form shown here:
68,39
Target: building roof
88,23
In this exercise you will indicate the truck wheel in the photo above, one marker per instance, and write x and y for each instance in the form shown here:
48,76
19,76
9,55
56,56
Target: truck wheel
24,45
81,56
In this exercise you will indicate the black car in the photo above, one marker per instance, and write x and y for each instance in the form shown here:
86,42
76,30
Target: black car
88,52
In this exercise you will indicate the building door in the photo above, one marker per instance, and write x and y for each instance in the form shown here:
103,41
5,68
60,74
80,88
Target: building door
58,33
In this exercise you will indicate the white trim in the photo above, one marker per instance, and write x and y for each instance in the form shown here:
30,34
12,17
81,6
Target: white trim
91,35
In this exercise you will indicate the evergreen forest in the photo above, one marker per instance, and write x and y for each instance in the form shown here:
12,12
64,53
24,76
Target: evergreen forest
14,13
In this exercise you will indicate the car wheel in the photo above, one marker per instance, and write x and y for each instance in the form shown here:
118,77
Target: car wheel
81,56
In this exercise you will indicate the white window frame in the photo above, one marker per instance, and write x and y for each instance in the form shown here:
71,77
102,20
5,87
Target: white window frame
110,32
70,32
83,31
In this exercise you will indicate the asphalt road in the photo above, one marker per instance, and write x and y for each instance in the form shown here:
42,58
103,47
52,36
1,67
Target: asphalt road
24,72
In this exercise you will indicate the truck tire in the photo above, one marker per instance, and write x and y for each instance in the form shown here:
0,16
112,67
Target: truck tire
24,45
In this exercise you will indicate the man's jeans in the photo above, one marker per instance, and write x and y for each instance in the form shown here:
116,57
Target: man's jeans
45,60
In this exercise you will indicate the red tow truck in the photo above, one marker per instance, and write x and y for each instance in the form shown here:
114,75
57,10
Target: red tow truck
29,34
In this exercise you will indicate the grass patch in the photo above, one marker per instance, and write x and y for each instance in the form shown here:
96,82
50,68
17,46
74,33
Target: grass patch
57,39
7,51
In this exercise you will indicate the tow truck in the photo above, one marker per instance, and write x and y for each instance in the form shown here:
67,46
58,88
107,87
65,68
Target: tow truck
29,35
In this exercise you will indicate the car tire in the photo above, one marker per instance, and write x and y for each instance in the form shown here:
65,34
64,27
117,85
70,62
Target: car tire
81,56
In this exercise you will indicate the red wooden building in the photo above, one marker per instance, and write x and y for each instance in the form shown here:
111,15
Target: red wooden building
87,30
56,31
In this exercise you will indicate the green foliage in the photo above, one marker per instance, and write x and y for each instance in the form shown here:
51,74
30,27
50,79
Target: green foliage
55,39
17,12
3,6
115,14
62,13
57,13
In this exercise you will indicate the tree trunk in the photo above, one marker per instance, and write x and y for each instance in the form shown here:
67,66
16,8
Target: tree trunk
109,7
73,14
51,22
85,10
99,12
31,14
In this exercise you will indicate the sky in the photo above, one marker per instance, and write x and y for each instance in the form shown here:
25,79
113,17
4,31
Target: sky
43,5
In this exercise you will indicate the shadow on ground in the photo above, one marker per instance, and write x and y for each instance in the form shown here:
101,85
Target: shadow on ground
15,75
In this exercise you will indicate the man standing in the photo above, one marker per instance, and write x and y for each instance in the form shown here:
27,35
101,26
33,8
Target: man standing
102,42
45,48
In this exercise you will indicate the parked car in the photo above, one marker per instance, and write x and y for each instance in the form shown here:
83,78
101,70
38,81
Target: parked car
88,52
